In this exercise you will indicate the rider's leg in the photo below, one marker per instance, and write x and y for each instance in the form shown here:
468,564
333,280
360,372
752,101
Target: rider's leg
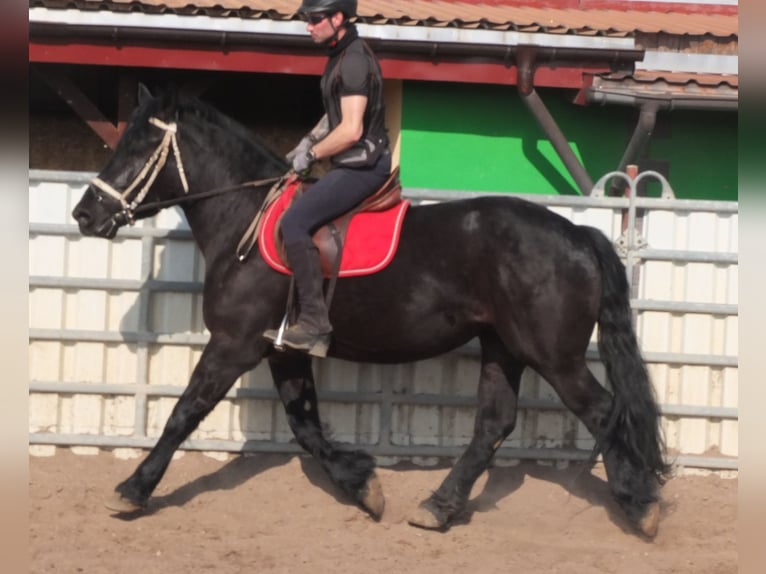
333,195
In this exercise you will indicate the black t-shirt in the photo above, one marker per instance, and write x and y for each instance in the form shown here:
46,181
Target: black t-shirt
352,69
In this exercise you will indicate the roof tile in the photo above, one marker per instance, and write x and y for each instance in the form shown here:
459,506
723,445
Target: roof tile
461,14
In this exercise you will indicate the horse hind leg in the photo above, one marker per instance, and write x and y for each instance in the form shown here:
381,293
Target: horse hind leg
495,419
352,471
632,484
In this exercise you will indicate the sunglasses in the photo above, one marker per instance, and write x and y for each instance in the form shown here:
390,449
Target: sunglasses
316,18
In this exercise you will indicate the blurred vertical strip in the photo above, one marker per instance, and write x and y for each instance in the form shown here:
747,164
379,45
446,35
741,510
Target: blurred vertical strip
752,196
13,287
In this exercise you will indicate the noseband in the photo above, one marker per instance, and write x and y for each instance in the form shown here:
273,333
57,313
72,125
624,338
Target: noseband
149,173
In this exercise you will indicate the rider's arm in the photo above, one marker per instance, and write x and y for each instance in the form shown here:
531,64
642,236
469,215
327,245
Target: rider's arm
320,131
348,131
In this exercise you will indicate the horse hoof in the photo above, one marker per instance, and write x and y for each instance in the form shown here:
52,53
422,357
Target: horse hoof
651,520
119,503
424,518
373,500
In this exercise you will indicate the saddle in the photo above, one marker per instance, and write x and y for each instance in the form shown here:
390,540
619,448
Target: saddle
331,237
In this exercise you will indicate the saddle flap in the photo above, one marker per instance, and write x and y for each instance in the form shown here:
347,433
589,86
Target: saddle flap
373,236
329,240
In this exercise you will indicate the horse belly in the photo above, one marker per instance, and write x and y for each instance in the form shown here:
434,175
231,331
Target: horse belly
385,319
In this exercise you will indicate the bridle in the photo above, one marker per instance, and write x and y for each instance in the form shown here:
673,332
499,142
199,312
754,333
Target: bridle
149,173
151,170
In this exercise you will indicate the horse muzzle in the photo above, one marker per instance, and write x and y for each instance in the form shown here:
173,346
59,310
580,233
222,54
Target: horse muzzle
91,227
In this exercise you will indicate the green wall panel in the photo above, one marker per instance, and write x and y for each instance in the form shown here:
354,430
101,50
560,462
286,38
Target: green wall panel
483,138
701,148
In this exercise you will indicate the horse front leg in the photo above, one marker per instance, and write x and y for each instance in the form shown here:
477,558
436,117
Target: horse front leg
495,419
215,373
352,471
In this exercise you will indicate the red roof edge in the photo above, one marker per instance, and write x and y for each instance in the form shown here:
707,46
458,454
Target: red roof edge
622,5
676,7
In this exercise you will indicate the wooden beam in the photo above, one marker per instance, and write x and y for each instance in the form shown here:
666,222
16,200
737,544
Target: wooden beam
82,106
254,60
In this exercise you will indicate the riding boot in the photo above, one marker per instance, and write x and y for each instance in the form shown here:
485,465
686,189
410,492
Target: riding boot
311,332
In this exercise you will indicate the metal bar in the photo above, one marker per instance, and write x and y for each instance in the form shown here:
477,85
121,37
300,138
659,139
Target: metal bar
418,194
647,118
37,176
572,455
684,307
467,350
66,230
688,256
197,287
420,399
386,411
535,105
126,337
632,247
116,284
142,355
706,462
723,258
60,176
688,359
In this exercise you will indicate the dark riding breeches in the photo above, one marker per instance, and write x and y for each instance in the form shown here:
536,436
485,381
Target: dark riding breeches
334,194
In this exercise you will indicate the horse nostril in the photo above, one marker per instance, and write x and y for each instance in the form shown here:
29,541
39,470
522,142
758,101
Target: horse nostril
81,215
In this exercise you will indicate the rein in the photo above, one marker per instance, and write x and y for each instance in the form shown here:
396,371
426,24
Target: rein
151,170
205,194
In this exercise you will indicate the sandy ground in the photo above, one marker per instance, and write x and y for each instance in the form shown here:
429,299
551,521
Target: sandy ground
279,514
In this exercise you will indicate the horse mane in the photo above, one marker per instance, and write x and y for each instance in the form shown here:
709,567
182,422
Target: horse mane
247,151
190,107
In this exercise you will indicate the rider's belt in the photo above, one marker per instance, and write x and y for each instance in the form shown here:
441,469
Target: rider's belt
364,153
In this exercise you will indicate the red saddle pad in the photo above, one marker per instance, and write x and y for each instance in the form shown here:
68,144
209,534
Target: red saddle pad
370,244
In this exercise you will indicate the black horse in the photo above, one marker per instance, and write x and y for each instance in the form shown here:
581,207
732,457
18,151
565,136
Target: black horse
528,283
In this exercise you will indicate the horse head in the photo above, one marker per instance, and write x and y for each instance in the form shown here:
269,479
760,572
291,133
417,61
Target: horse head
149,143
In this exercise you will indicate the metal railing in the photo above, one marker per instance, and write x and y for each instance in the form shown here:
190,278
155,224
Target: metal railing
635,252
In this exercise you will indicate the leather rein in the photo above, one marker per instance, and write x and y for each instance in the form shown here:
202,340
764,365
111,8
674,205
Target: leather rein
151,170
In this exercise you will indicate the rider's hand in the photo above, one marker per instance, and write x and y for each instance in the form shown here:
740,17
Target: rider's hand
303,161
303,146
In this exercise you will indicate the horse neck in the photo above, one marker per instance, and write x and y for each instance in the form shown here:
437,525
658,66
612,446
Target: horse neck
219,222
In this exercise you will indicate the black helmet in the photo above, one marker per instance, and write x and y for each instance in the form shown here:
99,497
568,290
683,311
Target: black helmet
348,7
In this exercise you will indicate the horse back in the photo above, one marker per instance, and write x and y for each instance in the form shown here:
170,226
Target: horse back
481,231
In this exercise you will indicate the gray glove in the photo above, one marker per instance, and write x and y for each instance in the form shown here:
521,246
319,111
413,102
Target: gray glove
303,146
303,161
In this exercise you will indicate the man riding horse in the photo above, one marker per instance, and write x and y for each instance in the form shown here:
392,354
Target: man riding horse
352,135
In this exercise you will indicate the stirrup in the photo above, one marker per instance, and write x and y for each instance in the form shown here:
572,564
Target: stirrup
318,347
276,336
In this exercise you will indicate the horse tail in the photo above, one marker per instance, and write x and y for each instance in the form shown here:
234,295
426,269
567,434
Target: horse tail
633,426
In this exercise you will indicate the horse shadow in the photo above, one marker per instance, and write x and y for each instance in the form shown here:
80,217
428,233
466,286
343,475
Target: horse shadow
231,475
139,318
577,480
502,482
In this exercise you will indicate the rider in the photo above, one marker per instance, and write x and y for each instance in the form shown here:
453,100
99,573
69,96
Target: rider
352,135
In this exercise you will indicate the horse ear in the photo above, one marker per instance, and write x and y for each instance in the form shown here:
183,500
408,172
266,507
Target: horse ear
144,95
